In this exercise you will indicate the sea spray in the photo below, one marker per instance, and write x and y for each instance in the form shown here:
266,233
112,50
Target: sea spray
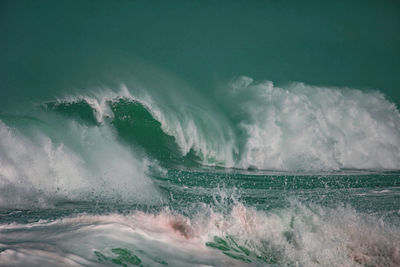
76,162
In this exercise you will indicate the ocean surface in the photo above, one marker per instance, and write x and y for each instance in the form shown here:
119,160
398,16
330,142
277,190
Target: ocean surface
178,133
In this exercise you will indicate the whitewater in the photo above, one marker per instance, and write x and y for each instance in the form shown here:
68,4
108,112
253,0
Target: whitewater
290,175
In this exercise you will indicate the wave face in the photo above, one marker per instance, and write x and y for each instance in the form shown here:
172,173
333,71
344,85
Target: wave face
174,135
262,126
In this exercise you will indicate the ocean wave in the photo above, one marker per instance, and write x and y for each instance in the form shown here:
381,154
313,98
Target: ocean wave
292,128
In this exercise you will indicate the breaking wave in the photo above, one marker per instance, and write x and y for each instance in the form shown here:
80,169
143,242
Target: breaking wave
259,125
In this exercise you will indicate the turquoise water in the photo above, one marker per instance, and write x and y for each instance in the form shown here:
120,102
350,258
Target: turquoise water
141,133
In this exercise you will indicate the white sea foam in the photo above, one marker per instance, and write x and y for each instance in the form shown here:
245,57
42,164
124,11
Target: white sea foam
302,127
298,235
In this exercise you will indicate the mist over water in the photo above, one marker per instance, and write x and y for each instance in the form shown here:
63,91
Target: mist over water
199,134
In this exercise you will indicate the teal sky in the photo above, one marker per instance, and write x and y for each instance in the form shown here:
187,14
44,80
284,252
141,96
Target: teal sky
50,46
